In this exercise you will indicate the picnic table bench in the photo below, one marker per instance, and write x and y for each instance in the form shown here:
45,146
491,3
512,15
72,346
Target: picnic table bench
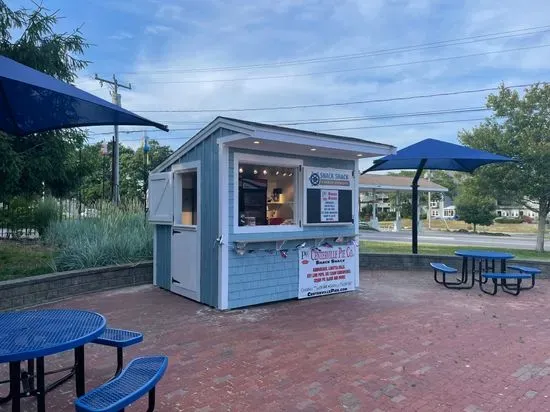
512,289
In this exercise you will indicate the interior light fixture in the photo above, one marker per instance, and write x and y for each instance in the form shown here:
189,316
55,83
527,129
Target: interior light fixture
290,174
264,172
359,155
240,169
313,149
284,174
255,172
256,142
277,172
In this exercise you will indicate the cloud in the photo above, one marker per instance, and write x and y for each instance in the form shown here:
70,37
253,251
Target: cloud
230,33
157,29
121,35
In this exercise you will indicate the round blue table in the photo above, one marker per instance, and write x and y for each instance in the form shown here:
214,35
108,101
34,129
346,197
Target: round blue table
34,334
482,257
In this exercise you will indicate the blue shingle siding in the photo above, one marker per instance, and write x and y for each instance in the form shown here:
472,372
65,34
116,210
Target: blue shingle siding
207,153
261,277
163,255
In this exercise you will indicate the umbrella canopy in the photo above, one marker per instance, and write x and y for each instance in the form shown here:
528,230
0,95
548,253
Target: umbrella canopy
437,155
32,102
434,155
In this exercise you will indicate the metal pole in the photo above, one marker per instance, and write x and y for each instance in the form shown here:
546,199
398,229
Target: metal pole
429,202
415,206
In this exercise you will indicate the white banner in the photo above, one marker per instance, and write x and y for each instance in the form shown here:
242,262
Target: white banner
329,205
326,270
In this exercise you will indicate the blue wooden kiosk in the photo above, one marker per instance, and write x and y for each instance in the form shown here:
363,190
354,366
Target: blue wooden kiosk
246,213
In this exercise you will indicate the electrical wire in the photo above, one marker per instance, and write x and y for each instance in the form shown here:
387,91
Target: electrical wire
416,47
307,106
349,70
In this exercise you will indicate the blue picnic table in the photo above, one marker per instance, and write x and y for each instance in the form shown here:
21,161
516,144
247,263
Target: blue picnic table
32,335
482,261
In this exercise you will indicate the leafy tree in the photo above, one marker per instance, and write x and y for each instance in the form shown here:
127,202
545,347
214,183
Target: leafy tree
474,206
519,127
44,161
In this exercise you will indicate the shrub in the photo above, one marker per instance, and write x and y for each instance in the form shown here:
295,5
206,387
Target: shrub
119,235
527,219
509,220
45,212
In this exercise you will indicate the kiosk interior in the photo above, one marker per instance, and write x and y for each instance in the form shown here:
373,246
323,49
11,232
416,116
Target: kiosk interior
248,213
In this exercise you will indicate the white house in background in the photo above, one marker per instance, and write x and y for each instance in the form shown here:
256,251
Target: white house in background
374,189
516,211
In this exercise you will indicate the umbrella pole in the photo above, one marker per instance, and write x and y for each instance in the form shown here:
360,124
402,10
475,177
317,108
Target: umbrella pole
415,206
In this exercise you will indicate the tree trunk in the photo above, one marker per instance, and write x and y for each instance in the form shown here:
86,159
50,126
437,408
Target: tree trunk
543,214
475,231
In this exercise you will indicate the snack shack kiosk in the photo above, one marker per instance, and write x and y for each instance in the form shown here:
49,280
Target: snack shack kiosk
246,213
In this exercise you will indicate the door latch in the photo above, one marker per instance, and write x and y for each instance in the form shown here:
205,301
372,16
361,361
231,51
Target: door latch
219,240
175,281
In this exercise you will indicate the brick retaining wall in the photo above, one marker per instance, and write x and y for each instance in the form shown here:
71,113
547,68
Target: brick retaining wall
421,263
34,290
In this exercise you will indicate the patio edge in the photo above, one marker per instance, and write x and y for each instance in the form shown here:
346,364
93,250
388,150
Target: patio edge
421,263
35,290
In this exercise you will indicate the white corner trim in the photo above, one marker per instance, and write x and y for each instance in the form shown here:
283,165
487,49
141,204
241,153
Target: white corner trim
356,212
155,255
223,230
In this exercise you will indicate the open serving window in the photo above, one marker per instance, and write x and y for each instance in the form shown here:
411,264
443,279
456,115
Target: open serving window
328,196
267,197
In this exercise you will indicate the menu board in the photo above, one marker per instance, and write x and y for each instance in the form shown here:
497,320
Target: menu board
329,196
326,270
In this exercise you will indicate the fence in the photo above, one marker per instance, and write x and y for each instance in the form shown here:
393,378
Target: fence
17,215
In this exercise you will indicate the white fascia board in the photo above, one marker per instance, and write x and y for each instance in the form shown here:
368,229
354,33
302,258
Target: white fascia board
324,142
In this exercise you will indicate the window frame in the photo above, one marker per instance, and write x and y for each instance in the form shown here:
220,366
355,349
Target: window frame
261,160
178,170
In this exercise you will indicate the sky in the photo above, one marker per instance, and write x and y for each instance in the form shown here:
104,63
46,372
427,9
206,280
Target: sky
182,55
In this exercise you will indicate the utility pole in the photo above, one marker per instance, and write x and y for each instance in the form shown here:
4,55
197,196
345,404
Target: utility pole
116,163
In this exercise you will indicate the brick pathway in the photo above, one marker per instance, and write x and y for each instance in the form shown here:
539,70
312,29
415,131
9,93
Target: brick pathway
401,343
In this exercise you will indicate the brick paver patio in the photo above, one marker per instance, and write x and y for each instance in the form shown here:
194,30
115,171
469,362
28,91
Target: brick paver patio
401,343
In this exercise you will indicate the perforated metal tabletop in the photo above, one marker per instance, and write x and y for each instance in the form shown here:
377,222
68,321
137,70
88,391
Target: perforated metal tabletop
36,333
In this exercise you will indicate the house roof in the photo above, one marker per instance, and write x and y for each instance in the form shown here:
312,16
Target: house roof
282,139
402,183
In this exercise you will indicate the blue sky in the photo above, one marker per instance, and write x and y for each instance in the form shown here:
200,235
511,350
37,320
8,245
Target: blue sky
137,39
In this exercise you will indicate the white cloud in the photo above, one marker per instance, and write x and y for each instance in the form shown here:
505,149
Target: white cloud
121,35
234,33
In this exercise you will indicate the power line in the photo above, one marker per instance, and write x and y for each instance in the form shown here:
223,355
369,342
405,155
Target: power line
401,124
294,122
421,46
382,66
332,120
345,128
306,106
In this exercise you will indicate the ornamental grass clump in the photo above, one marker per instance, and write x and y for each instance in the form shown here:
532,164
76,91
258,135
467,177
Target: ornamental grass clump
120,235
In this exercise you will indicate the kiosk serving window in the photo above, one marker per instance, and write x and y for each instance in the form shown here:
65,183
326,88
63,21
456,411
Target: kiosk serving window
267,193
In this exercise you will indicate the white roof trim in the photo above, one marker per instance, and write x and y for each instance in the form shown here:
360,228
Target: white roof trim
249,131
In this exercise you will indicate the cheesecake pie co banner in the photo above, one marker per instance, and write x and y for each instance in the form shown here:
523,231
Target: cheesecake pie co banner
326,270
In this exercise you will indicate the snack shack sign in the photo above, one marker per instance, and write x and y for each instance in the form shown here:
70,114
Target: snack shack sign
326,270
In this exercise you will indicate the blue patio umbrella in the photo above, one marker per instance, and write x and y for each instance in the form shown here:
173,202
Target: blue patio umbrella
434,155
32,102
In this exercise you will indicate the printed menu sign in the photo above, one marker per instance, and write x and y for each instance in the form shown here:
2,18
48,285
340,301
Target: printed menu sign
326,270
329,205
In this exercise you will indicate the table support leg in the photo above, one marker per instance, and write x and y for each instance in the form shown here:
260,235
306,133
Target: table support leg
79,371
40,386
15,386
503,265
30,369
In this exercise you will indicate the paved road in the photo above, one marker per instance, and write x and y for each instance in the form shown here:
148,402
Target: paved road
515,241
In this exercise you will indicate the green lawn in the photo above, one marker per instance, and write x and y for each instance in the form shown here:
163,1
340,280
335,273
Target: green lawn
394,247
21,259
